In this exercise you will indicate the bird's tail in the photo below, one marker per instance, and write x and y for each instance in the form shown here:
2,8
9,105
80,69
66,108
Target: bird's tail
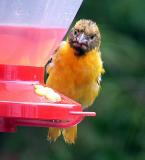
53,134
69,134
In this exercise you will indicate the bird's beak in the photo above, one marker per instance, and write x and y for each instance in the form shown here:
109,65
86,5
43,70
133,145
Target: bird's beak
81,38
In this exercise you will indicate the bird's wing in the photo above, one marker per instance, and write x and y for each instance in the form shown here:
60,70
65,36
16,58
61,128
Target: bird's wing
99,80
49,65
102,72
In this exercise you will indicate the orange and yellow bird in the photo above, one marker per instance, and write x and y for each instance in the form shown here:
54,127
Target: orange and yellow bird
75,70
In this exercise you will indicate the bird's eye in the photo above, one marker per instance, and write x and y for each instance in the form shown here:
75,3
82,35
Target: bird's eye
75,32
92,37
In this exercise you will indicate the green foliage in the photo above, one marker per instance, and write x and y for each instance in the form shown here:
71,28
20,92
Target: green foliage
118,131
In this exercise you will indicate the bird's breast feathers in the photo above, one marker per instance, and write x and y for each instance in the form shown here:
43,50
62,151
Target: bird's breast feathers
73,75
82,69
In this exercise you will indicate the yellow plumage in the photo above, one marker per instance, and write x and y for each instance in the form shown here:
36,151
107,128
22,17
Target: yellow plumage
77,77
74,76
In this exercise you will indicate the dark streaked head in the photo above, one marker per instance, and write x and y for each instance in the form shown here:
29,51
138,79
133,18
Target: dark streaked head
84,37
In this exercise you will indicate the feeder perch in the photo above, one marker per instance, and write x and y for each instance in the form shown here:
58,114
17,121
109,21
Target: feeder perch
29,33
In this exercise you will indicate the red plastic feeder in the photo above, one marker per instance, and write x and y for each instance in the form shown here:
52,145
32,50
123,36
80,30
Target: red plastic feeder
24,51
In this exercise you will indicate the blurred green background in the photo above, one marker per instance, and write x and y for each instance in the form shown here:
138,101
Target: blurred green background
118,131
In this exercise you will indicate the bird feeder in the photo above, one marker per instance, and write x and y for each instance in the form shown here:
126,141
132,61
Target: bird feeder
29,32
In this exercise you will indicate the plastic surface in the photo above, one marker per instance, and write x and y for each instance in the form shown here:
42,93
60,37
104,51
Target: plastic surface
29,32
28,46
39,13
21,106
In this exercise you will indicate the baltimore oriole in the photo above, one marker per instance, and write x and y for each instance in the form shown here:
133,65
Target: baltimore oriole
75,70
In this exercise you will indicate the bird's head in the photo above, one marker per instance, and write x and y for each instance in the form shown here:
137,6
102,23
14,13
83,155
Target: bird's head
84,37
